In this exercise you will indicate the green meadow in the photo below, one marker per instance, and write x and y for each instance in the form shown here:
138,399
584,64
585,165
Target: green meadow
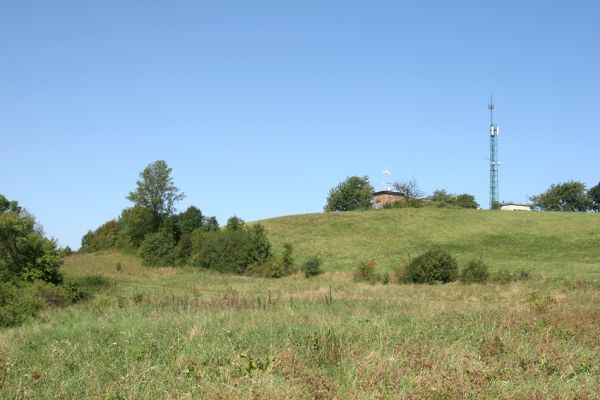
185,333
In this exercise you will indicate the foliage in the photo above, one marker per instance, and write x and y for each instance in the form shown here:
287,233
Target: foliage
355,193
155,190
433,266
444,198
476,271
25,254
312,266
103,238
594,194
409,189
568,196
16,304
365,272
190,220
136,223
234,249
466,200
496,205
287,258
158,249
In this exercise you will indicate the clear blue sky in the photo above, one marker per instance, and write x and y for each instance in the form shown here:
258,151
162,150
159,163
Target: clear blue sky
260,107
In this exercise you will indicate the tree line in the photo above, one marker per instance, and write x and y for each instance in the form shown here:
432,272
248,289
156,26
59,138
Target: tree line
356,193
154,230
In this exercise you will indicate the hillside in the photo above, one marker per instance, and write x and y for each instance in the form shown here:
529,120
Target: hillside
164,332
548,243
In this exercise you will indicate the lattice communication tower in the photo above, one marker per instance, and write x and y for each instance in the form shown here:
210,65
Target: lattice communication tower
494,163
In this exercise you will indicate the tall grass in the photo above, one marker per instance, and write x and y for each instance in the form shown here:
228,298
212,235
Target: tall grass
176,333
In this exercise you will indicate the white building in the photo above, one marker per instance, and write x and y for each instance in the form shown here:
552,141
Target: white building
515,207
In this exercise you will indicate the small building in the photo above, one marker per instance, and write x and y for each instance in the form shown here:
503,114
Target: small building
515,207
380,199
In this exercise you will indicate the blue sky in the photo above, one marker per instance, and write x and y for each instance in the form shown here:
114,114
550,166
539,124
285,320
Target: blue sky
260,107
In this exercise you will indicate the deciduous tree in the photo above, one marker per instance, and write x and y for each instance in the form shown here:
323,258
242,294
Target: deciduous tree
354,193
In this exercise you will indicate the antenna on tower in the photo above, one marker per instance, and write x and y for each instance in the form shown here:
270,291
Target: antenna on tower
386,185
491,108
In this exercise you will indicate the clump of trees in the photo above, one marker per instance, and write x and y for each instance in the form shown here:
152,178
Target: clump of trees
445,199
568,196
162,237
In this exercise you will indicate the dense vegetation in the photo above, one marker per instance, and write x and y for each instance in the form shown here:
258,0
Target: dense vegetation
154,230
30,277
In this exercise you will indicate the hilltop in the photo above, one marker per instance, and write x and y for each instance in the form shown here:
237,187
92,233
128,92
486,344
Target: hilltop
556,244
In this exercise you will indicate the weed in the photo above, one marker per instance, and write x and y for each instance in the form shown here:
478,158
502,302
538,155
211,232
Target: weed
365,272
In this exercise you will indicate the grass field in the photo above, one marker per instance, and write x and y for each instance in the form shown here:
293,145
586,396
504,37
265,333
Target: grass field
178,333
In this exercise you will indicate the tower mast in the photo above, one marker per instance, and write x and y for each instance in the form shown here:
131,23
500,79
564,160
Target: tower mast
494,163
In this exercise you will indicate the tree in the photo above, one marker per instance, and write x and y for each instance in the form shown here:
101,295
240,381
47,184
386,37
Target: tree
466,200
408,189
25,254
190,219
156,191
136,222
355,193
568,196
594,194
442,196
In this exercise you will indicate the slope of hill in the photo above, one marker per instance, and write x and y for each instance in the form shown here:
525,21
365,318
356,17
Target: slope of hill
550,243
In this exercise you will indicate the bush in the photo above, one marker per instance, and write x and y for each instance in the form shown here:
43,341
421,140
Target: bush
234,249
365,272
433,266
16,304
476,271
158,249
312,267
505,276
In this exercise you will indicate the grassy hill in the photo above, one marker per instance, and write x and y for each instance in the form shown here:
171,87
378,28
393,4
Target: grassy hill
556,244
185,333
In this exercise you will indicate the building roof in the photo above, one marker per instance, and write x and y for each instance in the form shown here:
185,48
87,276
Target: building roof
389,192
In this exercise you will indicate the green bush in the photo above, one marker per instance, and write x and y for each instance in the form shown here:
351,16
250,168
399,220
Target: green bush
433,266
475,271
17,304
158,249
365,272
235,249
312,267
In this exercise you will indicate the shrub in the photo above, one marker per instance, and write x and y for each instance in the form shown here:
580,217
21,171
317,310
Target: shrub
158,249
365,272
433,266
287,259
273,268
234,249
312,267
475,271
16,304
